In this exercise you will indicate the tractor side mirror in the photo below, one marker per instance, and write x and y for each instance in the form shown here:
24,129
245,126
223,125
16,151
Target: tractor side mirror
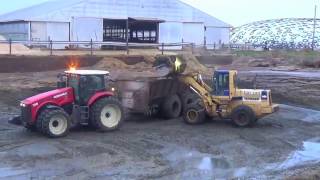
61,84
82,82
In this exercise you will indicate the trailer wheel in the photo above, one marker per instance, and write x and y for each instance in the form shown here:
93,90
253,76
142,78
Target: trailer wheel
107,114
243,116
54,123
194,114
171,107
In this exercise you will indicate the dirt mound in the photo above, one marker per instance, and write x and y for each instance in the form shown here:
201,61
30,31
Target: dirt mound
212,60
14,64
193,65
4,47
135,63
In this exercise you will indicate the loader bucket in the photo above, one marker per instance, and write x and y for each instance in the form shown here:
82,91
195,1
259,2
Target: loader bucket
169,65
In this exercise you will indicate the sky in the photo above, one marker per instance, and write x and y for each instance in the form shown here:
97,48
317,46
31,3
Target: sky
234,12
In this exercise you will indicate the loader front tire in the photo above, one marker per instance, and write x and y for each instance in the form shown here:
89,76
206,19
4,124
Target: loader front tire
243,116
194,114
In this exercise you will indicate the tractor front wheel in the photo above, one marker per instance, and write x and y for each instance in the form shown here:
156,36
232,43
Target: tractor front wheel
54,123
107,114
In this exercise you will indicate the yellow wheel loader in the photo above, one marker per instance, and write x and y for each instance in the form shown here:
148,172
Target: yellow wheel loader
222,100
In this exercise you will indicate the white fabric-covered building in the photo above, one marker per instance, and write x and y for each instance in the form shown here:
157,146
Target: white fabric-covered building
145,21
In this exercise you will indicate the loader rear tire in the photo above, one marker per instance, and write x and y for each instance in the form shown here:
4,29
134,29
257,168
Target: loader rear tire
107,114
243,116
54,123
194,114
171,107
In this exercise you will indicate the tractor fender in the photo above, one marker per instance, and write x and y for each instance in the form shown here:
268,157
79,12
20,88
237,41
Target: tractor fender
35,111
98,96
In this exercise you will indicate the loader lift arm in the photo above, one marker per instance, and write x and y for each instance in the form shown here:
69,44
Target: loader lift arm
196,84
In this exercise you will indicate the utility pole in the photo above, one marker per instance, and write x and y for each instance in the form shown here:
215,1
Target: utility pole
314,27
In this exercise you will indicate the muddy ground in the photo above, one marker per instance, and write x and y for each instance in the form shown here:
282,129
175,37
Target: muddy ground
283,145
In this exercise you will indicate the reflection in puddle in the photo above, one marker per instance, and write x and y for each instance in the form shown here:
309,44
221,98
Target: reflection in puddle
205,164
9,172
187,160
309,154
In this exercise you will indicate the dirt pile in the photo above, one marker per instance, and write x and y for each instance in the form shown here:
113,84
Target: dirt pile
298,88
121,63
193,65
15,64
4,47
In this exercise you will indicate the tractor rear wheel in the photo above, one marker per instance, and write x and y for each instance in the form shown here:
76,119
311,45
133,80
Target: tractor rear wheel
171,107
107,114
243,116
194,114
54,123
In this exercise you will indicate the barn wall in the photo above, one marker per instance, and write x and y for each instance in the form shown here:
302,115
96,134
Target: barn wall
55,31
193,33
217,35
58,31
171,32
85,29
17,31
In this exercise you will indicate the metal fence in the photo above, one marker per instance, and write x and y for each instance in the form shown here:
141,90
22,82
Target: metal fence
93,46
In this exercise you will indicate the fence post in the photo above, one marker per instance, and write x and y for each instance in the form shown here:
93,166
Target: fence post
91,47
182,41
162,48
127,47
51,48
10,46
192,47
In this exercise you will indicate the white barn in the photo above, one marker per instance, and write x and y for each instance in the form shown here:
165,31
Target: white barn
144,21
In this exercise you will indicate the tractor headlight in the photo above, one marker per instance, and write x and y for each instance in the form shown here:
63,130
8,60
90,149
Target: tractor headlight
23,104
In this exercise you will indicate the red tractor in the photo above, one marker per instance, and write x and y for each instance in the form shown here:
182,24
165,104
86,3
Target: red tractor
81,98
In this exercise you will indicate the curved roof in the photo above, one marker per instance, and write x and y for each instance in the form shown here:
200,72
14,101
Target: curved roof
279,33
87,72
65,10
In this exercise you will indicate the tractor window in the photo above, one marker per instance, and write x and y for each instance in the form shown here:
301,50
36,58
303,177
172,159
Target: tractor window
222,84
73,82
89,85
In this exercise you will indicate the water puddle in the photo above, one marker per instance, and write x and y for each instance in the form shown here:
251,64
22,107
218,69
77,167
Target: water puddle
303,114
206,164
9,172
197,161
309,154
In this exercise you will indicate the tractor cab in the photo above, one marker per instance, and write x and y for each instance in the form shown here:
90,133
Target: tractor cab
85,83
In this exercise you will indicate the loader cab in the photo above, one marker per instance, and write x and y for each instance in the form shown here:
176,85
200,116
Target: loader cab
224,84
221,83
86,83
